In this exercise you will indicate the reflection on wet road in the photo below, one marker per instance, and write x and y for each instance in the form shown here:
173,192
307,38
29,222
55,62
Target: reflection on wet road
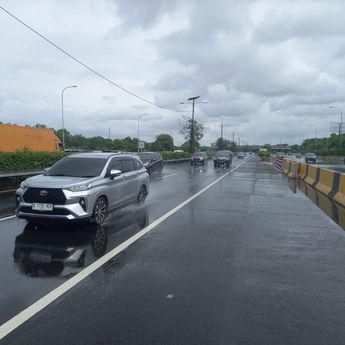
62,251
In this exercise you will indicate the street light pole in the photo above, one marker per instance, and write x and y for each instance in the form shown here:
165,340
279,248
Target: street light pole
139,117
315,137
340,125
62,114
192,128
191,144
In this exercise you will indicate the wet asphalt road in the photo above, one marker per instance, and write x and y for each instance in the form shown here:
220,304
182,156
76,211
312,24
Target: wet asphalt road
26,278
246,262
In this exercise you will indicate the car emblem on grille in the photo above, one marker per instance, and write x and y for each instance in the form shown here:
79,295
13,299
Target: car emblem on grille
43,192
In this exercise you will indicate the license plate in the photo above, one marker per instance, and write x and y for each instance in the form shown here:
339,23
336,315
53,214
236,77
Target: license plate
40,258
42,207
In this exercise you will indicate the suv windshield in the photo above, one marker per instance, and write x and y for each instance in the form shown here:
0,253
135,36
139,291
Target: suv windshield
198,154
78,167
223,153
145,156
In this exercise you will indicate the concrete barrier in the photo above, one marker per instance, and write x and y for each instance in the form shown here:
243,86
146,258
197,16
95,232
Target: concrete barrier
325,181
180,160
293,170
328,182
286,167
340,194
312,175
302,170
278,162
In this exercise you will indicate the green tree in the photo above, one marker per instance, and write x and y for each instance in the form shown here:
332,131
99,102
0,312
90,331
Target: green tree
268,147
185,128
165,141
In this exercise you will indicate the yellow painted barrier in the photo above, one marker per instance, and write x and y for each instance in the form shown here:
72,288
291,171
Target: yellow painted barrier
302,171
325,183
285,167
340,195
311,177
293,170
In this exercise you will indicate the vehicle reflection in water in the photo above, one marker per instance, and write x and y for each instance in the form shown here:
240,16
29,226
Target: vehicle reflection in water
64,250
197,169
329,207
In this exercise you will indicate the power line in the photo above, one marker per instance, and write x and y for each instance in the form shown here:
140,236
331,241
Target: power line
86,66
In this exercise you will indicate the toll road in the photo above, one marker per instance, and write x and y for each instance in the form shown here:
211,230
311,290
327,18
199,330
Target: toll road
33,262
244,261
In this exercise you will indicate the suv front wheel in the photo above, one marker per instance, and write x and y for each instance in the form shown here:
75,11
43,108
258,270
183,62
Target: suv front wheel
100,211
142,194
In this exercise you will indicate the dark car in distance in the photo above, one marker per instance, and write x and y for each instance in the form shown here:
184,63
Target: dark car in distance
152,161
222,158
240,155
310,158
199,158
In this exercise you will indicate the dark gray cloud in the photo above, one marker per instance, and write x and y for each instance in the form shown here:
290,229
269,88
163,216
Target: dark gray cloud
267,68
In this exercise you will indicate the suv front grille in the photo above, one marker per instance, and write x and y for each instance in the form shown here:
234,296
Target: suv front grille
45,195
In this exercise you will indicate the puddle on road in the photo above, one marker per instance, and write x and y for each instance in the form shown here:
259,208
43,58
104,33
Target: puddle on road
329,207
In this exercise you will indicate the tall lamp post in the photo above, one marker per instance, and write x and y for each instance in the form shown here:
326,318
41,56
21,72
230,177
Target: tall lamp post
341,123
62,114
139,117
191,145
315,136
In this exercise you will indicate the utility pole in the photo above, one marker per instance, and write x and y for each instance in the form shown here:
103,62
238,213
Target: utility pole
191,144
192,128
221,135
109,132
233,137
221,129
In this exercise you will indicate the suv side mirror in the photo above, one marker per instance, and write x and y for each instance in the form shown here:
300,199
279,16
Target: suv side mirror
114,173
45,170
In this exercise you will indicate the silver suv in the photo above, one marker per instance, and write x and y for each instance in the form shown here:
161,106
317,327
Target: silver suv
83,186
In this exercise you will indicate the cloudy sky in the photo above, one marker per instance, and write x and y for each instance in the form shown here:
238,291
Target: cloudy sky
269,69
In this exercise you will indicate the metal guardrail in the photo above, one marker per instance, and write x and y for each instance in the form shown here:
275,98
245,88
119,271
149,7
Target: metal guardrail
36,172
21,173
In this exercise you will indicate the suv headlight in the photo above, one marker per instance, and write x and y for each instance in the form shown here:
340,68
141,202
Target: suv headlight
24,185
79,188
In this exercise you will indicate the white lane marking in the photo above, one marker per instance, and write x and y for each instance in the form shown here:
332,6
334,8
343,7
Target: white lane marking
7,218
43,302
165,176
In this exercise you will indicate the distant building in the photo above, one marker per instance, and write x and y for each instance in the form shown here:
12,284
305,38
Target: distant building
13,137
281,149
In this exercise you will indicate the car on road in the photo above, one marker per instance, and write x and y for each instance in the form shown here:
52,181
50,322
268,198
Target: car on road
222,158
84,186
199,158
310,158
240,155
152,161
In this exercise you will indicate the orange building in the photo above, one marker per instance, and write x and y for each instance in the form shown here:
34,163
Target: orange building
13,137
